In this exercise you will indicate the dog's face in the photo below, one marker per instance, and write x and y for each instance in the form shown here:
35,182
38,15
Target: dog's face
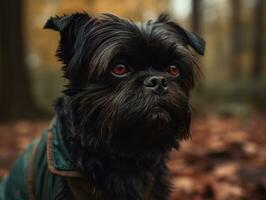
129,83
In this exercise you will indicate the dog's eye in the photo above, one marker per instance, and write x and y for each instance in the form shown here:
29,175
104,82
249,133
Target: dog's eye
173,70
120,70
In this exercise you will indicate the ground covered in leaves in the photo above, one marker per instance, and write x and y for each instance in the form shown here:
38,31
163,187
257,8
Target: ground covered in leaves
224,160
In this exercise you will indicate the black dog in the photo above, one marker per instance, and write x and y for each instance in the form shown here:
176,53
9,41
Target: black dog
125,107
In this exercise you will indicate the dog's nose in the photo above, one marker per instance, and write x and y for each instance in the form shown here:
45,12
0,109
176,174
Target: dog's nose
158,84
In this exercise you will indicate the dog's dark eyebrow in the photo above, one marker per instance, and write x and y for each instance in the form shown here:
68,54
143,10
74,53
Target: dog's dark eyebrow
109,37
110,34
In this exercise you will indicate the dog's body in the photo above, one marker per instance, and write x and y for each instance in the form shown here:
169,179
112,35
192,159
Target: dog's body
125,107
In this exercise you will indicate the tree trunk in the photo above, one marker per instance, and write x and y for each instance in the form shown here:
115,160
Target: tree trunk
196,25
196,16
16,100
236,39
259,42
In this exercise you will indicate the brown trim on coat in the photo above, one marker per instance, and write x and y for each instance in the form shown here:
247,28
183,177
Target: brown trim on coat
68,173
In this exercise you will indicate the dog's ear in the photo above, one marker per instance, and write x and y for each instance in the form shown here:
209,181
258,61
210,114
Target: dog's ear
69,26
195,41
67,23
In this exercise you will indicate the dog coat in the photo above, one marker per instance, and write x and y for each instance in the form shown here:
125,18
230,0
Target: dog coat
42,170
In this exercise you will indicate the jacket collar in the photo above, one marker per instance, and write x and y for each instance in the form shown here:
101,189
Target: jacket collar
59,161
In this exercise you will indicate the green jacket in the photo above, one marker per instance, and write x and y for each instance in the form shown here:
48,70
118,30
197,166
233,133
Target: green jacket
39,173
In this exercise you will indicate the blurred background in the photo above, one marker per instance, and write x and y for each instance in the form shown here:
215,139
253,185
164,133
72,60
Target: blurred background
226,157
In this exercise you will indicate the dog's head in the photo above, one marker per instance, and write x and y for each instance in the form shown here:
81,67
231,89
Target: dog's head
129,83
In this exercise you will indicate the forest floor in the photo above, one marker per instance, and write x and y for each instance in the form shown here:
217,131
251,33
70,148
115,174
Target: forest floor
224,160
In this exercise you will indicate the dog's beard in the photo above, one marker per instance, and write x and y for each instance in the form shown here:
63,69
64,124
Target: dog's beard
129,122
